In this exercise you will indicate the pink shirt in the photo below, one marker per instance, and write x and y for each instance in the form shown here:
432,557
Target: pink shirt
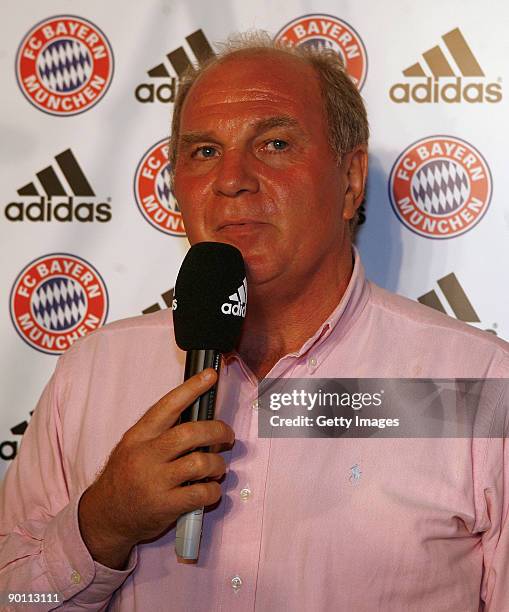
303,524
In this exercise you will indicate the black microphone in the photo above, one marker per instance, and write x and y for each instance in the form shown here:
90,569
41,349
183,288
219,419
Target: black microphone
209,307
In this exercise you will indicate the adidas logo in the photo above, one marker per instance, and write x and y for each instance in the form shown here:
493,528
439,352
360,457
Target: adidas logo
239,299
455,298
51,197
168,299
449,71
180,62
9,448
236,306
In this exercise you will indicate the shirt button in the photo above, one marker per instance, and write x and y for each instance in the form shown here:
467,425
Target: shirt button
255,405
245,493
75,577
312,362
236,582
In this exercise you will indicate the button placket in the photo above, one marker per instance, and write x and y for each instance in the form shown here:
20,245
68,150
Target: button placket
242,527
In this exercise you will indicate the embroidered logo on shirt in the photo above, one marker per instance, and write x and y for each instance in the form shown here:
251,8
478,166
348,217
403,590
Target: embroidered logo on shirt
355,474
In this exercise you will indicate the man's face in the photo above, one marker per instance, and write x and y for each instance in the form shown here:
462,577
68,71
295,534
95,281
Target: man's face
255,169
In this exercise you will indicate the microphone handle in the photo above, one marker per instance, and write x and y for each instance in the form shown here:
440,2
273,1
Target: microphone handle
189,525
198,360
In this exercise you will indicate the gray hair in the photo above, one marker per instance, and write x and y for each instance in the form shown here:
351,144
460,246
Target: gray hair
347,120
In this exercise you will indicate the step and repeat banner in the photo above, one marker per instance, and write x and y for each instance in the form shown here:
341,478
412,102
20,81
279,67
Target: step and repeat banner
90,230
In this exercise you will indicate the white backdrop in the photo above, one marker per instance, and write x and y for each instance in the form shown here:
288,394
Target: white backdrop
89,230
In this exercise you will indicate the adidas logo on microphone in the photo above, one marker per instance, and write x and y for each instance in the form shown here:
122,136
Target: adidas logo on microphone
238,301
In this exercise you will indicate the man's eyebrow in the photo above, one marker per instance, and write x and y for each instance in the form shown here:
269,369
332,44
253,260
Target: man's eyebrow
274,122
190,138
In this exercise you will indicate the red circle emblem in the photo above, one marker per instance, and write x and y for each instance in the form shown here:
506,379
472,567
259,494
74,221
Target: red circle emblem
333,33
64,65
153,194
57,299
440,187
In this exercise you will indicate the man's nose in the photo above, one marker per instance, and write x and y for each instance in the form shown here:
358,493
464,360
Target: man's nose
235,175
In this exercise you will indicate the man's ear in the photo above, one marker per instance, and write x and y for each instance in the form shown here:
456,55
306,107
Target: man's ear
355,169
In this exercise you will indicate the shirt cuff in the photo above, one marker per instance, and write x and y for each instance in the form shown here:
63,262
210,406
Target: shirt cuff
70,565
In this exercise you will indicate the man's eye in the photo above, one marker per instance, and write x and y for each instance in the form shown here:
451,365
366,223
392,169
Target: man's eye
205,152
277,145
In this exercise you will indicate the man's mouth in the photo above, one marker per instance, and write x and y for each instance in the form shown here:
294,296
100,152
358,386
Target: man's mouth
239,224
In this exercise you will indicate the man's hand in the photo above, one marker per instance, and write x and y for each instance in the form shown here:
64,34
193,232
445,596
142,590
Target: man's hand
139,494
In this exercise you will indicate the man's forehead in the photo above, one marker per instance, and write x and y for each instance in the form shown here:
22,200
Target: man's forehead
267,77
266,68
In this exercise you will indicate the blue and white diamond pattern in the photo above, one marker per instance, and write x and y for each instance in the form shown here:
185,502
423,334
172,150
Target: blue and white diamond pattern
65,65
59,304
440,187
164,192
322,43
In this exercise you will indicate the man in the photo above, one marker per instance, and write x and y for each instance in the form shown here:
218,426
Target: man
269,154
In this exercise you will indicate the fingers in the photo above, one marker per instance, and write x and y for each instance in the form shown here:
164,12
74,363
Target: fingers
196,496
180,439
221,448
195,466
165,413
139,492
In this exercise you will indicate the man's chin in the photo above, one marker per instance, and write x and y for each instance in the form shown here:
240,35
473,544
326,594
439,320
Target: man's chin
260,271
255,252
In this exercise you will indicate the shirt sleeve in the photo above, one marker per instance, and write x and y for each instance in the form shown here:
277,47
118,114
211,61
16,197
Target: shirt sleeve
495,515
41,548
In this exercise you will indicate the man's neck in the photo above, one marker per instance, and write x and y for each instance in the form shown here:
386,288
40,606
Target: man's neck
279,322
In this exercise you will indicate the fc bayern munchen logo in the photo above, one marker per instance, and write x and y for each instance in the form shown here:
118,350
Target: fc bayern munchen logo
64,65
153,194
56,300
440,187
332,33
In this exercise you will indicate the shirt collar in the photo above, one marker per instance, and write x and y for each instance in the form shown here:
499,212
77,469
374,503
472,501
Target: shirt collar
350,306
341,318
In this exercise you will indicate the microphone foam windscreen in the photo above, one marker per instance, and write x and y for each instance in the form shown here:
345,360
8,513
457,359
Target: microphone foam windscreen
210,298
